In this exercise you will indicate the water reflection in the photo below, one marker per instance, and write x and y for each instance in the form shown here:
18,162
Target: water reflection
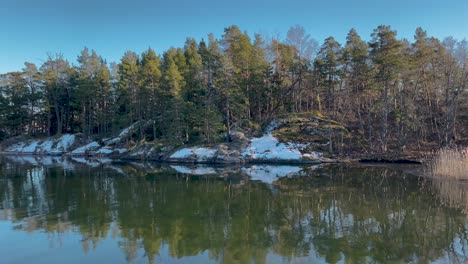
452,193
200,214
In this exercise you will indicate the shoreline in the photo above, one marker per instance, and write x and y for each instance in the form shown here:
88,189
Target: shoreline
370,161
416,168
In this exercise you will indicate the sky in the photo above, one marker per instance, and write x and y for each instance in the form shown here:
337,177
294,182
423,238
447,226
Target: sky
30,29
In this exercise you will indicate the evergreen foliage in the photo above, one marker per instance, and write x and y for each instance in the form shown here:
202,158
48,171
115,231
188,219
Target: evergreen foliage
390,93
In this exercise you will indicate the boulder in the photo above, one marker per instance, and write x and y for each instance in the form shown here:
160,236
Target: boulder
227,156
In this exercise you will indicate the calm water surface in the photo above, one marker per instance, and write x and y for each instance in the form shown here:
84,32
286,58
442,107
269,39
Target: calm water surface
80,211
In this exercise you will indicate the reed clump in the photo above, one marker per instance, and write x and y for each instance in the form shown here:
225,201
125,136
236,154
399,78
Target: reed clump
451,163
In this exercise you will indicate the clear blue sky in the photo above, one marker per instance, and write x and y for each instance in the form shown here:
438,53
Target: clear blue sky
31,28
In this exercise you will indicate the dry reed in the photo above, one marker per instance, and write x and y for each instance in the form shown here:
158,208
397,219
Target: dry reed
451,163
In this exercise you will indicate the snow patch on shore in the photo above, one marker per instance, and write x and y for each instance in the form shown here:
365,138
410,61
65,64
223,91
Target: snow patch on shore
86,148
121,150
65,142
48,146
113,141
268,147
197,152
104,150
30,148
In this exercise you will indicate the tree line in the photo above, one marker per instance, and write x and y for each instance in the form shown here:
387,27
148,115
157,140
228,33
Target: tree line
390,93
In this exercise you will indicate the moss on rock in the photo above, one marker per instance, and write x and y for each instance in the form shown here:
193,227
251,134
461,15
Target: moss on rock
311,128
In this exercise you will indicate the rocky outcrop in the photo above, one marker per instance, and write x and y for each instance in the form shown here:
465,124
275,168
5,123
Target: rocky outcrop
300,138
311,130
48,146
226,155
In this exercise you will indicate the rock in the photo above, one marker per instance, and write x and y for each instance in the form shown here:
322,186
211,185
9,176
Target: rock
148,151
47,146
87,149
296,138
226,155
238,137
194,154
139,152
309,128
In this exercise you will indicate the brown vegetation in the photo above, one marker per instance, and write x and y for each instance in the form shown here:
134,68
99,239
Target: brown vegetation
451,163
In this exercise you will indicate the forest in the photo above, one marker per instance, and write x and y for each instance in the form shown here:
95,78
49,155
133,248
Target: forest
393,95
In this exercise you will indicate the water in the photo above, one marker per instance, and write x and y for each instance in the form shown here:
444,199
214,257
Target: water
59,211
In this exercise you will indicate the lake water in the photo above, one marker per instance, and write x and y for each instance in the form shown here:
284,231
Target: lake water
78,211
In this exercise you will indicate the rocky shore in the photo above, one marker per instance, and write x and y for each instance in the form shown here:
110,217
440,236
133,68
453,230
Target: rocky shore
302,139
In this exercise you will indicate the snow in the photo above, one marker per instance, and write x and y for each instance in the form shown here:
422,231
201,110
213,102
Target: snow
183,153
199,153
269,173
112,141
30,148
138,153
105,150
48,146
127,130
204,152
16,147
195,170
313,155
65,142
121,150
88,147
268,147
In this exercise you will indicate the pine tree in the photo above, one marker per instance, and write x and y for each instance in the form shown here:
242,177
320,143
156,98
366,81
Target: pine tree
127,90
329,62
15,103
32,77
194,92
56,74
258,71
212,86
93,93
149,96
385,52
173,85
237,51
357,72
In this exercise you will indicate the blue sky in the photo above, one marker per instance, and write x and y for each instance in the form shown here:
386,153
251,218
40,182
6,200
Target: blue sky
31,28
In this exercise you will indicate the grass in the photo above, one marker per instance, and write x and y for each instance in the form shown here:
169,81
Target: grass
451,163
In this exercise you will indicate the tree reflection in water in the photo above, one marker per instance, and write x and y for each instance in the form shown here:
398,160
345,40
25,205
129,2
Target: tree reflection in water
331,213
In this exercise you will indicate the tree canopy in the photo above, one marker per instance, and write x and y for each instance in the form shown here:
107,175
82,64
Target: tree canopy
390,93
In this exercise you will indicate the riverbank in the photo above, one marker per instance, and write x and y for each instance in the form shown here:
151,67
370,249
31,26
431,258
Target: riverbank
295,139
